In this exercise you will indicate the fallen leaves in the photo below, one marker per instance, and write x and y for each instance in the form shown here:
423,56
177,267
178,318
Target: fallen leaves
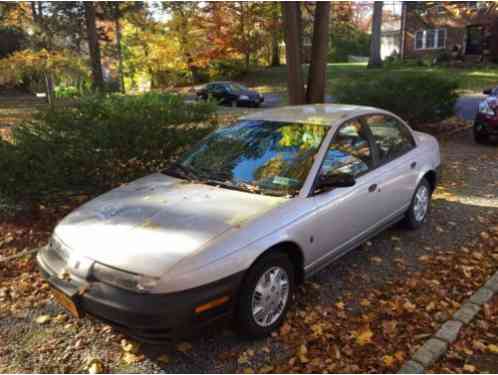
493,348
364,336
302,354
95,366
131,352
184,347
378,330
389,327
164,359
388,360
43,319
130,346
130,358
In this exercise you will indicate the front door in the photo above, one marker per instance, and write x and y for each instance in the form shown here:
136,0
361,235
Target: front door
344,214
474,40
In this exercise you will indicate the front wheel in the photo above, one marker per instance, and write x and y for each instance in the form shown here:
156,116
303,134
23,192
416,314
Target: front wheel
479,138
419,208
265,295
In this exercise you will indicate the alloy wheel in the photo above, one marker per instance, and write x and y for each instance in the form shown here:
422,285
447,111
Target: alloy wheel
421,204
270,296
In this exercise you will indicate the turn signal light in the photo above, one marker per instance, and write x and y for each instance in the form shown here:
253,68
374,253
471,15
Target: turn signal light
211,304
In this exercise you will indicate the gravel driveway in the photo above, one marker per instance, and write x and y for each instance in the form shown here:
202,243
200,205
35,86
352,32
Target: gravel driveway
468,196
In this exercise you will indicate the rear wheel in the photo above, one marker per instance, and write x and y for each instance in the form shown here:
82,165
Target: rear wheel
265,295
419,208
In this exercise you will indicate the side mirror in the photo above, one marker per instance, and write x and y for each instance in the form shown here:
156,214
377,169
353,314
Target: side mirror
328,182
487,92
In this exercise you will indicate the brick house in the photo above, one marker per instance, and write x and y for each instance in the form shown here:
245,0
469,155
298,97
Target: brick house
468,30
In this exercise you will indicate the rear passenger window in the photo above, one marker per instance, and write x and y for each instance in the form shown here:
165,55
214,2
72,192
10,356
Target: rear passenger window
392,137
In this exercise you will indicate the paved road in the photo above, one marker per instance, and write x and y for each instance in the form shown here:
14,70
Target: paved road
467,106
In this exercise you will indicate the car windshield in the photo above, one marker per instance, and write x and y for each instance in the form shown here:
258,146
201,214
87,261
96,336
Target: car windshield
258,156
237,87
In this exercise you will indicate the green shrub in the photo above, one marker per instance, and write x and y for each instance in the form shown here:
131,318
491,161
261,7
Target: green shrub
101,142
348,42
417,98
63,92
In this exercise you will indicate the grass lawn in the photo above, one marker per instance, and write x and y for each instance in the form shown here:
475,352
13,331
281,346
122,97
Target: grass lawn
469,79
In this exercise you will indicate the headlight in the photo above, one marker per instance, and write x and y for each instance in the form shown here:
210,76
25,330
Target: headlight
243,97
486,109
125,280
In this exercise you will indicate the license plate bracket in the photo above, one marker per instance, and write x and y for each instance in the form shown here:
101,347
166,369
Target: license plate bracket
68,302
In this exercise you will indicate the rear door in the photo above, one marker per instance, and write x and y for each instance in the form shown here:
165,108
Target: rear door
397,167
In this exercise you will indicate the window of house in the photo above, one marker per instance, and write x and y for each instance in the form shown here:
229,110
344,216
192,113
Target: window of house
430,39
441,38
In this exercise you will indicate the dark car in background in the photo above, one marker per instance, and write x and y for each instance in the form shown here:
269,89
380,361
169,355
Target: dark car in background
486,120
231,93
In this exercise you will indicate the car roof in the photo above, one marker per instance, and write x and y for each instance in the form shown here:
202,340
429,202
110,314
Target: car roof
319,114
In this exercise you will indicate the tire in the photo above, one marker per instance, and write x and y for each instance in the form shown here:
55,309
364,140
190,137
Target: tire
246,320
479,138
414,218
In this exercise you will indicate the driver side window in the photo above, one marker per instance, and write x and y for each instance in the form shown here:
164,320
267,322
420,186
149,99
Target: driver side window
349,152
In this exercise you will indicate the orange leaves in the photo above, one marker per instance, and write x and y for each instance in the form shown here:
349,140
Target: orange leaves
364,336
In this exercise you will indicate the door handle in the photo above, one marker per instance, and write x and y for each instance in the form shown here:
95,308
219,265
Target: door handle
413,165
372,188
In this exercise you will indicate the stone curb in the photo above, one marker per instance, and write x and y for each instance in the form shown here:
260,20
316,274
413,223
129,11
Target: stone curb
437,345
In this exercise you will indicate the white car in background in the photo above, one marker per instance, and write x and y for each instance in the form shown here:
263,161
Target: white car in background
241,219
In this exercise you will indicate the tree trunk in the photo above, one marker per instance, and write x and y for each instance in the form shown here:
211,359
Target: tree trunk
275,50
120,53
295,82
49,84
317,76
93,46
375,61
300,32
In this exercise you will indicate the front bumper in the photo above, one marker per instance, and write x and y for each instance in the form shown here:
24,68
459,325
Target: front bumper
250,101
146,317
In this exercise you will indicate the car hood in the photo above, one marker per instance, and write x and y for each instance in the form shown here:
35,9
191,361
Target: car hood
149,225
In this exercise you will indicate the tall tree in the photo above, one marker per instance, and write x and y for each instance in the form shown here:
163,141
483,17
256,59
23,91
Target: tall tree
317,79
317,76
116,15
274,29
375,60
295,81
93,46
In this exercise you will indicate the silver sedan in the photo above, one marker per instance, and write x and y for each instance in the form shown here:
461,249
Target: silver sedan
243,217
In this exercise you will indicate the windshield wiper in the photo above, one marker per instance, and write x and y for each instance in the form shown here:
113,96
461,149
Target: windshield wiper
179,170
256,189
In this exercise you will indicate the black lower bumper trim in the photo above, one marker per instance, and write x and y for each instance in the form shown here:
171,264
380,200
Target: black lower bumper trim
152,317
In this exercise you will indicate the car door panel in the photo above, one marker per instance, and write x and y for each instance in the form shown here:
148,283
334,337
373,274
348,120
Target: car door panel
398,169
344,214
